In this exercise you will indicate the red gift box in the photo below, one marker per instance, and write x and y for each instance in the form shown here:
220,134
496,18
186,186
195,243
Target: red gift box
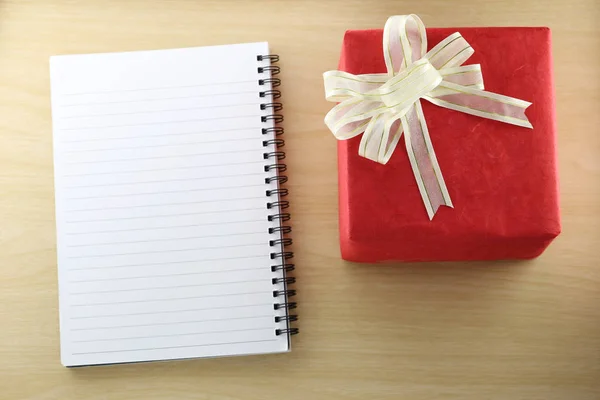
502,178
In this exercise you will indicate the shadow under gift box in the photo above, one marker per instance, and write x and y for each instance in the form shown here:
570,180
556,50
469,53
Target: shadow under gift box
502,178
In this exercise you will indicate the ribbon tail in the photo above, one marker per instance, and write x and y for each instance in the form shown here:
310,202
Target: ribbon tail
470,100
423,161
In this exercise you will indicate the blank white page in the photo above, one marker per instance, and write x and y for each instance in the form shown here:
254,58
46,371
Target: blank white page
161,208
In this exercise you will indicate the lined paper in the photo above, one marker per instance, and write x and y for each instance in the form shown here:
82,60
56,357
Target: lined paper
162,229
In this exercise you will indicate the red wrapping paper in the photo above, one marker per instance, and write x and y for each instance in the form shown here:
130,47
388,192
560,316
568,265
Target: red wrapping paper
502,178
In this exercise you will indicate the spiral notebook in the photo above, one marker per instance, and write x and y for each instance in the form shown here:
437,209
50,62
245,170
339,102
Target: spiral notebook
171,229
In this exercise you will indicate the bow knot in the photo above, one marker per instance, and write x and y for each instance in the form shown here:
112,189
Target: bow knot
408,86
385,106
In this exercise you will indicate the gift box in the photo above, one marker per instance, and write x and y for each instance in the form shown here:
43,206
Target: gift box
502,178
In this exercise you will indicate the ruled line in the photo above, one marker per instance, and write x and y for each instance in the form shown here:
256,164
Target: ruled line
265,256
162,287
166,312
125,278
161,192
158,111
157,99
156,88
173,347
173,335
162,227
164,215
167,299
154,205
75,221
166,169
165,240
167,251
165,180
161,134
152,193
170,323
258,139
256,151
161,122
164,204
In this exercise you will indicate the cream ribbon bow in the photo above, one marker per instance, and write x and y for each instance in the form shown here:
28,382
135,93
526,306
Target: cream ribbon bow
383,106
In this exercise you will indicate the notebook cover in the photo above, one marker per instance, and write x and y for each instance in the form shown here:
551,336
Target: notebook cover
502,178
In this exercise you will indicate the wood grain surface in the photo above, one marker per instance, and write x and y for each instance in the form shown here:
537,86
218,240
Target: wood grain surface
504,330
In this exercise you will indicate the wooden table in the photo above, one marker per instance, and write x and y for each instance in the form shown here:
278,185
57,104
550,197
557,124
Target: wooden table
418,331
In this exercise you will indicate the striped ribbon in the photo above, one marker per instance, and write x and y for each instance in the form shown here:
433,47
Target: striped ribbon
383,106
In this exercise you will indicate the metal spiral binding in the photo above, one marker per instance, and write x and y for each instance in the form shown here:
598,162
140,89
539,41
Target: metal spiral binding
275,94
273,157
283,217
283,204
277,129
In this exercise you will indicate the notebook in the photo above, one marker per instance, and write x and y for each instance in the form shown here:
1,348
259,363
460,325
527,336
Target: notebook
171,229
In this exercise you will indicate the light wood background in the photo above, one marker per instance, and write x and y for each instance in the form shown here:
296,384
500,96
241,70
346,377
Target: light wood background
420,331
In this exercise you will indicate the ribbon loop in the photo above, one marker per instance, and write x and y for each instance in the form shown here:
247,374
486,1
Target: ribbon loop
383,106
404,41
